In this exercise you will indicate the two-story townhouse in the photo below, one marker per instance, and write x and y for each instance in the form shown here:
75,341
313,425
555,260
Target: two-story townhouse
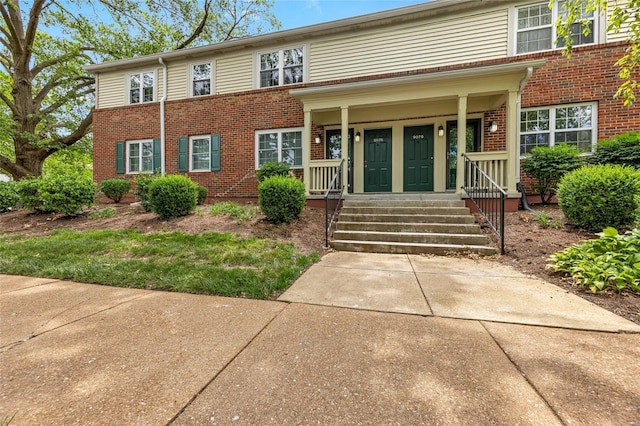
385,91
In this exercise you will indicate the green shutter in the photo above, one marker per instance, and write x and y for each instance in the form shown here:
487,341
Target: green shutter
157,154
120,158
183,152
215,153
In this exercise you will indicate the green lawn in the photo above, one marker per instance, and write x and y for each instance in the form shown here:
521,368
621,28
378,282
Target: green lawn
208,263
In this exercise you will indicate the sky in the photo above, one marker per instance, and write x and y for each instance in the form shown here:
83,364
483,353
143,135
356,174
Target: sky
299,13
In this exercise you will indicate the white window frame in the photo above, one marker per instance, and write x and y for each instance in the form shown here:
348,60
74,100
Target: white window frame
141,76
191,140
128,157
280,132
211,79
281,66
552,125
555,11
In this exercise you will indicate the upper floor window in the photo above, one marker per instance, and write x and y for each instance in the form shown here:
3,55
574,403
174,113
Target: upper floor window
279,145
201,79
535,27
285,66
141,87
548,126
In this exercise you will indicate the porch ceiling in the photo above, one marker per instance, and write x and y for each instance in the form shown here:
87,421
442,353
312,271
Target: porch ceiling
417,95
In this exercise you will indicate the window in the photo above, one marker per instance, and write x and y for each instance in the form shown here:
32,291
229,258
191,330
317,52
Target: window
200,147
279,145
140,156
570,124
201,79
282,67
199,153
535,27
141,87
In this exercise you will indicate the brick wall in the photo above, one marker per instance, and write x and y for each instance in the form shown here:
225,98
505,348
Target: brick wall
590,75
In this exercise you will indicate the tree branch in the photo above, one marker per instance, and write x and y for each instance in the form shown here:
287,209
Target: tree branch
76,94
199,29
10,104
80,132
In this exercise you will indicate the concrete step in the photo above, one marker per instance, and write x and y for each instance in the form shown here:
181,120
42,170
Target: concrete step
443,228
404,196
409,248
412,237
398,218
402,203
384,210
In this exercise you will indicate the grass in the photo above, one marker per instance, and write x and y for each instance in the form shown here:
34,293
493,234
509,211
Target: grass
207,263
238,212
103,213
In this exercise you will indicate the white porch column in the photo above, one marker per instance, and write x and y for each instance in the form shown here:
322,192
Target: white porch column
512,143
462,142
306,150
344,133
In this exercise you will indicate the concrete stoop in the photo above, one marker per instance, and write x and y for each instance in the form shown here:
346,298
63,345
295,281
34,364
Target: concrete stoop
410,224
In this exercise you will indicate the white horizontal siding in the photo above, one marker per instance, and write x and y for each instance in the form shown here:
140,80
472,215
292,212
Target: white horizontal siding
178,81
234,74
111,90
437,42
624,31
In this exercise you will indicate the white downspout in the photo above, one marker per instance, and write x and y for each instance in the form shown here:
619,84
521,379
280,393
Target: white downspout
162,126
527,75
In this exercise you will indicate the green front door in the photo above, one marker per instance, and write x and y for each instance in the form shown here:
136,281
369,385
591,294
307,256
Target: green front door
418,158
377,160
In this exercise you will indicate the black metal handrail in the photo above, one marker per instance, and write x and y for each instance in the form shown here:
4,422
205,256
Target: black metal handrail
487,196
332,196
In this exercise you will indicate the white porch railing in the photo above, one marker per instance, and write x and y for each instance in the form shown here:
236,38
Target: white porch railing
493,163
321,174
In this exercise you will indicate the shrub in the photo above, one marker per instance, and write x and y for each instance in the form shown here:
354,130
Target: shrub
172,196
66,194
9,198
547,165
282,198
611,261
621,149
143,182
271,169
597,197
115,189
202,194
28,193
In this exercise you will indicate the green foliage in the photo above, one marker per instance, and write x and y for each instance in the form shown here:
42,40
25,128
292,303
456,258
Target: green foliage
173,196
202,194
143,182
282,199
609,262
115,189
239,213
270,169
75,160
543,220
547,165
622,149
597,197
205,263
66,194
103,213
9,197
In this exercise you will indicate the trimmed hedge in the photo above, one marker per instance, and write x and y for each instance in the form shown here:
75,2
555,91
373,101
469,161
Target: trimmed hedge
282,199
172,196
202,194
547,165
622,149
115,189
9,197
271,169
143,182
66,194
601,196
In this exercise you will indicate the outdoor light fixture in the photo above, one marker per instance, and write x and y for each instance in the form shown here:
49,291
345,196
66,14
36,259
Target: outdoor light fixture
358,137
493,127
440,130
317,138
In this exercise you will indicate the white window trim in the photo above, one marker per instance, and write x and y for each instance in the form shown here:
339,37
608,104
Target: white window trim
190,153
552,124
305,65
279,132
211,78
128,86
597,30
128,159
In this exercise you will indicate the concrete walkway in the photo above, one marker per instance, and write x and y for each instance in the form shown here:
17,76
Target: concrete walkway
358,339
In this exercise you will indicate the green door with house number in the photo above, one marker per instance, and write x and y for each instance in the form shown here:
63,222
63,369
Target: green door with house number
377,160
418,158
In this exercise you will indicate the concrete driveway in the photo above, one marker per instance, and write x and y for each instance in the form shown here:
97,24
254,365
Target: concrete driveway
358,339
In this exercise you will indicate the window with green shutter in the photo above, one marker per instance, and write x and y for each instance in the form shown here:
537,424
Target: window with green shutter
199,153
